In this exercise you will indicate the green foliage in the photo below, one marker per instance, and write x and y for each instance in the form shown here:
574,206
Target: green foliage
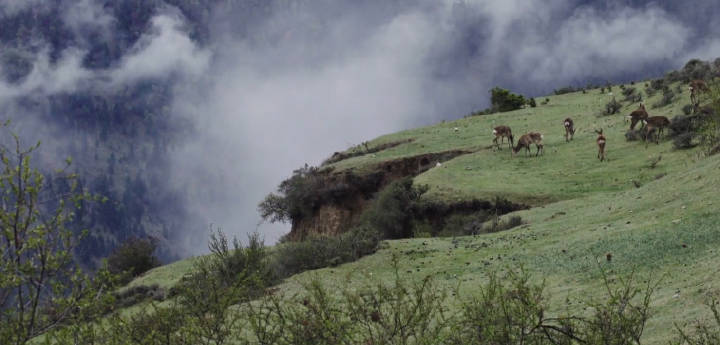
687,109
513,310
531,102
696,69
702,333
40,286
612,107
668,97
401,312
324,251
503,100
566,89
133,257
632,95
309,187
709,131
393,210
245,266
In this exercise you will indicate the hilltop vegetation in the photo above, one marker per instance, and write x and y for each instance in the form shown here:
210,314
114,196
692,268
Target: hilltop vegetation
447,233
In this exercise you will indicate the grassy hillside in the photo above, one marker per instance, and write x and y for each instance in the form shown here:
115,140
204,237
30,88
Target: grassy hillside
582,209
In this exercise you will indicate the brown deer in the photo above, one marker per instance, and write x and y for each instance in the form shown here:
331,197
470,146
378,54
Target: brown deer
655,124
527,139
696,87
503,132
569,129
601,144
638,116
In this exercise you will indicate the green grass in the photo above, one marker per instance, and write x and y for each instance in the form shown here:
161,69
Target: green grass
667,229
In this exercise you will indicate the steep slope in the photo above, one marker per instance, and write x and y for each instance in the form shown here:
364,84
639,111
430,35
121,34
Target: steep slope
658,221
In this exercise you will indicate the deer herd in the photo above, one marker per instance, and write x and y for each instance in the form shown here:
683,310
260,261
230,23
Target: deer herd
651,126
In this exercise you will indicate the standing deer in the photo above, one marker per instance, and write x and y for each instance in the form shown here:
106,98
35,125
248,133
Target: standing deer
527,139
655,124
638,116
503,132
601,144
569,129
696,87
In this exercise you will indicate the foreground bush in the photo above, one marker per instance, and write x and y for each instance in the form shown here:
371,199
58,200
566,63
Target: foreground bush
324,251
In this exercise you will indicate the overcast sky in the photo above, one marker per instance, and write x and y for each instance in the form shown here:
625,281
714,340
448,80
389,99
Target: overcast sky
272,91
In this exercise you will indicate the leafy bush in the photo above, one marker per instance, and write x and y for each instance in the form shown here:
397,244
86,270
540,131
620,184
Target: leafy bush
393,210
667,98
649,91
564,90
503,100
133,257
309,187
632,95
403,311
324,251
612,107
658,84
687,109
633,135
683,141
696,69
703,333
531,102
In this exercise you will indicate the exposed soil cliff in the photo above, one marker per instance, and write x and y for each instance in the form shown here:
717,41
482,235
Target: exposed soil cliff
337,215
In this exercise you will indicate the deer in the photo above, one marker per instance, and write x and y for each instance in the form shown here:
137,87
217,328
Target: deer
527,139
601,144
638,116
569,129
655,124
503,132
696,87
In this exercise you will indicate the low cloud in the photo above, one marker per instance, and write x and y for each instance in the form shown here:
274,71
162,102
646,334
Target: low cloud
273,90
307,84
165,50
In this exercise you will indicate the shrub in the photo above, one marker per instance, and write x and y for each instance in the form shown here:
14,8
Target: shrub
309,187
531,102
403,311
683,141
696,69
687,109
393,210
667,98
564,90
632,95
133,257
503,100
324,251
703,333
633,135
657,84
649,91
612,107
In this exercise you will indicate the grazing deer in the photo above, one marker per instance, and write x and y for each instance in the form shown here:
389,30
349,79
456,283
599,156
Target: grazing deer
601,144
569,129
527,139
503,132
655,124
638,116
696,87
